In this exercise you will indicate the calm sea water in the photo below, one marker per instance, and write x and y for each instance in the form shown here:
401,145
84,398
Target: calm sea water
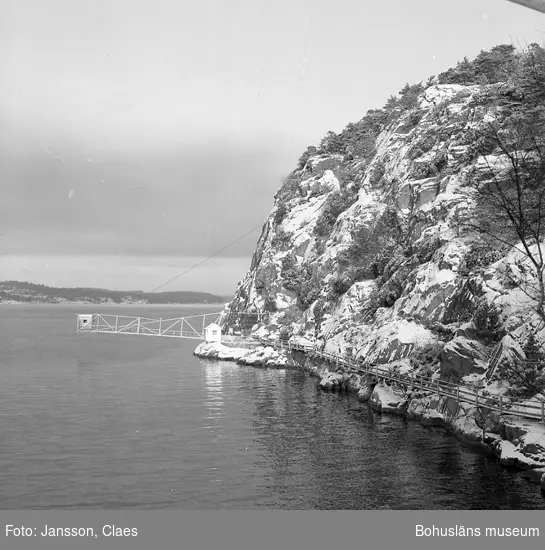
104,421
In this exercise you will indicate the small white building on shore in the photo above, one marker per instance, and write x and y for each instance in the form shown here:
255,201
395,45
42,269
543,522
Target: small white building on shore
212,333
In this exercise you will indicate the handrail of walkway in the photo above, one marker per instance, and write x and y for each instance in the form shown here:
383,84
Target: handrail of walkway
461,392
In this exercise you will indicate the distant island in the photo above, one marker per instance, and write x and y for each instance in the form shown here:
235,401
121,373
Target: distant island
15,292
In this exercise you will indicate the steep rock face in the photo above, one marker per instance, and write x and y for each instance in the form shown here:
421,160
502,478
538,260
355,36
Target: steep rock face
368,256
462,357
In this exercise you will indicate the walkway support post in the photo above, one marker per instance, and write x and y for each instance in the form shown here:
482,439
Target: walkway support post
138,326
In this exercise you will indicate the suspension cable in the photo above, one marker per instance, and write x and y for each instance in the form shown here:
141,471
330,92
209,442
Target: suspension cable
207,258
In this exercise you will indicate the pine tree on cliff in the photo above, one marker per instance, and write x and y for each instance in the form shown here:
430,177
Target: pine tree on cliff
533,352
527,378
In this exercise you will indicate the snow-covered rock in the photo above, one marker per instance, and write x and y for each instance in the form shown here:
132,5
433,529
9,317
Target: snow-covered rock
216,350
387,398
462,357
332,381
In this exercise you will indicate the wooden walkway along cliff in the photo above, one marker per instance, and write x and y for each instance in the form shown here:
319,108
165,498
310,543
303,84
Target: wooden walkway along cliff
459,392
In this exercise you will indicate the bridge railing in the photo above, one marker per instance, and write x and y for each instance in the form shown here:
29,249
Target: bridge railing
180,327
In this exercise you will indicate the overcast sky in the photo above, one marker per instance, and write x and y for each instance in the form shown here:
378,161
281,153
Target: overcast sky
139,136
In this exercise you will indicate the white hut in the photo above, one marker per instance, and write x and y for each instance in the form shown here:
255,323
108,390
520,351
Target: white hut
212,333
84,322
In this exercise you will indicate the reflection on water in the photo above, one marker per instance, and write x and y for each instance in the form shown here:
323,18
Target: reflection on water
213,380
214,398
97,421
329,451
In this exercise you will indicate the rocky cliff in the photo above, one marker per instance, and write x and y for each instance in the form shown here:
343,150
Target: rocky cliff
373,254
370,250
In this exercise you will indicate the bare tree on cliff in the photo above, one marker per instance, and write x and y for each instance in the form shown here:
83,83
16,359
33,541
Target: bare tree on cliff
511,193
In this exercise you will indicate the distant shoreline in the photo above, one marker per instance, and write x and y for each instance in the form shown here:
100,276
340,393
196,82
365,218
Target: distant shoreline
23,292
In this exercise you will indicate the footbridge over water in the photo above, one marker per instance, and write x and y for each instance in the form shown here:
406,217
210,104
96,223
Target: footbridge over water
192,326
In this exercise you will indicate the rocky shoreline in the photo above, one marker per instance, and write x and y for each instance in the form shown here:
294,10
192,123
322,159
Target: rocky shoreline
516,442
261,356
